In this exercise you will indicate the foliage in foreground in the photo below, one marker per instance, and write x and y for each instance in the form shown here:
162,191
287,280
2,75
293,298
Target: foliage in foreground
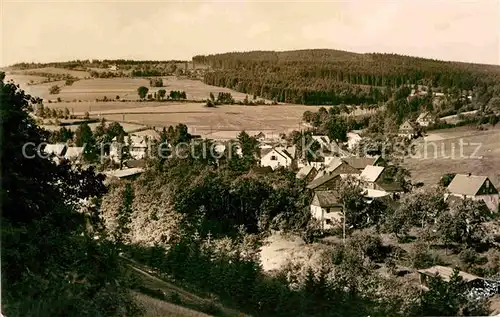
51,263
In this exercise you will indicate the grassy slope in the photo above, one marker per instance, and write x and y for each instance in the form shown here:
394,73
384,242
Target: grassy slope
163,298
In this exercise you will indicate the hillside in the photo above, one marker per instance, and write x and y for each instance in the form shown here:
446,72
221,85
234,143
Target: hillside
321,76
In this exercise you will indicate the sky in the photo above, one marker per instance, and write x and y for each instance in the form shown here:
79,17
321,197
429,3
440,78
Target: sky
43,31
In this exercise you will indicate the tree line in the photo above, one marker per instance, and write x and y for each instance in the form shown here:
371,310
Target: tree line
333,77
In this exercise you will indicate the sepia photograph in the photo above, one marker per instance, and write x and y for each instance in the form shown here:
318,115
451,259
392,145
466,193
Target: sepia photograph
228,158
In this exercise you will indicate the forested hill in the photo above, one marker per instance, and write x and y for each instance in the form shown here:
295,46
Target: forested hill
325,76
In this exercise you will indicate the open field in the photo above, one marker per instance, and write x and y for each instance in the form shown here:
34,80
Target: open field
127,127
54,70
227,120
223,122
480,154
126,88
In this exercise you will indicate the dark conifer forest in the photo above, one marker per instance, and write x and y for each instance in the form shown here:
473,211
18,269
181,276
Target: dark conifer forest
322,76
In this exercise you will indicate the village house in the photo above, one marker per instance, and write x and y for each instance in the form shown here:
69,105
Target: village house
408,130
74,153
446,273
137,143
475,188
307,173
370,175
352,140
278,157
337,165
375,178
113,67
424,119
57,149
328,181
323,140
126,173
326,209
360,163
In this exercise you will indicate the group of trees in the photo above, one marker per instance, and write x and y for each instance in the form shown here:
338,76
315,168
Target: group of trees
156,82
54,90
160,95
46,112
68,271
106,74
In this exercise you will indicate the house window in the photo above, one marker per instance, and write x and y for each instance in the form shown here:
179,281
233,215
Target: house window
273,158
328,221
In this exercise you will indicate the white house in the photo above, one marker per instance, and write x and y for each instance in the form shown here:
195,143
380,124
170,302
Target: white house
113,67
370,175
352,140
424,119
57,149
277,157
408,130
73,153
138,143
326,209
475,188
323,140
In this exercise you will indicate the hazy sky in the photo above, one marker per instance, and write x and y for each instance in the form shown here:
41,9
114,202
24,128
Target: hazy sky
63,30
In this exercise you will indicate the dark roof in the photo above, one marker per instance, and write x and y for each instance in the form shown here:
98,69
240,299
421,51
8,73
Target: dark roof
360,162
391,187
327,198
262,169
321,180
135,163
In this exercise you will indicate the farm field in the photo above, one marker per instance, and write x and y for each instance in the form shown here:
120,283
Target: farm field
223,122
125,88
444,155
54,70
127,127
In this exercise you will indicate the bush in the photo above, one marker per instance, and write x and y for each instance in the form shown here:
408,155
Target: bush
421,257
370,245
54,90
209,307
174,298
468,256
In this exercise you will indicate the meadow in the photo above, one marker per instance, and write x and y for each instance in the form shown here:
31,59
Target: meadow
222,122
480,154
125,88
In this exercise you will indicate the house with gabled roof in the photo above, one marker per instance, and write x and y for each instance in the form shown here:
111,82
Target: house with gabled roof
360,162
307,173
74,153
475,188
325,208
323,140
328,181
278,157
424,119
375,177
57,149
337,165
408,130
446,273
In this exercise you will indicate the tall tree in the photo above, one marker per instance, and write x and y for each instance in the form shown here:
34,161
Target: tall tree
142,91
64,271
